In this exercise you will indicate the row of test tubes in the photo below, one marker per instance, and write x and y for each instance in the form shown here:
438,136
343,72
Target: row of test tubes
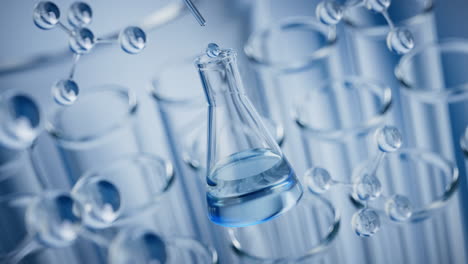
316,127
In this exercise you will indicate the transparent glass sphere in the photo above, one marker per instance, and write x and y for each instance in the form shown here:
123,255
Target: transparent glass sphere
329,12
398,208
388,138
46,15
20,120
55,219
138,246
65,92
365,222
400,40
378,5
101,202
318,180
213,50
80,14
367,187
82,41
132,40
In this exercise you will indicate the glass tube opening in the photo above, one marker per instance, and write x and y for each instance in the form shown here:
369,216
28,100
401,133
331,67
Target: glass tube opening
417,167
107,108
291,45
402,12
108,193
361,105
435,72
178,83
265,243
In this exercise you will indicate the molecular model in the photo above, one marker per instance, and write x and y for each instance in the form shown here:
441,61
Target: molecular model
46,15
399,39
366,187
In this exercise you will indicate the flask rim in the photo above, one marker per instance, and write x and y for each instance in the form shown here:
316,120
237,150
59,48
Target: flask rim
434,94
375,88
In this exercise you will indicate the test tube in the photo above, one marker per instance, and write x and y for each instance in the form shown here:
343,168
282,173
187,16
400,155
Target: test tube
289,56
109,200
365,41
106,133
428,207
366,34
264,244
99,128
336,119
435,100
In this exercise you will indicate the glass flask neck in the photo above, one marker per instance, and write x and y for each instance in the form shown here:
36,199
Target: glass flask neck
219,75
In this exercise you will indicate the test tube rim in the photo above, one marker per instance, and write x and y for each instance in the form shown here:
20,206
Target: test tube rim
436,94
75,142
309,23
325,242
343,133
380,31
422,213
182,99
126,217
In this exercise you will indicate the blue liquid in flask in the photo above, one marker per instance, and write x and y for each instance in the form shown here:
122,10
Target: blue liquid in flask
251,187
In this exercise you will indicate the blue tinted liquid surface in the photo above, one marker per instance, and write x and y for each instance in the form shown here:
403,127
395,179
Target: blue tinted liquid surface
251,187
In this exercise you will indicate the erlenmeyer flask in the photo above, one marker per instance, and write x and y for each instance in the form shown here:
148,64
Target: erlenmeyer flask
249,180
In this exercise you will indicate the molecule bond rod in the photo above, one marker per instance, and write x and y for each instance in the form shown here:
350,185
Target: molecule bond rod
388,19
198,16
76,58
375,164
110,40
